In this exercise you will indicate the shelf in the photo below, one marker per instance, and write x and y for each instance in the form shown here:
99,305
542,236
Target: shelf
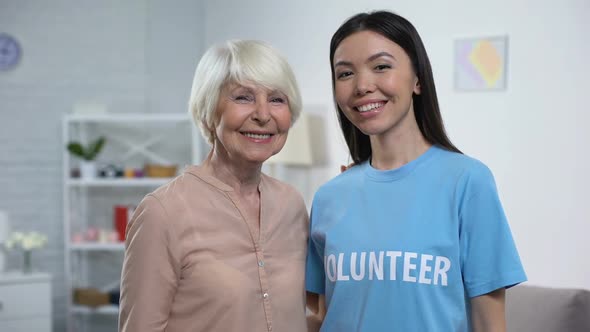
127,117
97,246
118,182
9,277
102,310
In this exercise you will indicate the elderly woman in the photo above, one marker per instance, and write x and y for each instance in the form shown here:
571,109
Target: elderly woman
222,247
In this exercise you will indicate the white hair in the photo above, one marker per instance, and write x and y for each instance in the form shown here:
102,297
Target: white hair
239,61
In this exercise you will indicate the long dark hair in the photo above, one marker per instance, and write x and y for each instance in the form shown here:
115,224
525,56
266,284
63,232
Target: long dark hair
402,32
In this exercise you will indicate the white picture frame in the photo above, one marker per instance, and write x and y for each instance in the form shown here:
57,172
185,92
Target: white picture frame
481,63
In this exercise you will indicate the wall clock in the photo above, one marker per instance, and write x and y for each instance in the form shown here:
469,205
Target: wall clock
10,52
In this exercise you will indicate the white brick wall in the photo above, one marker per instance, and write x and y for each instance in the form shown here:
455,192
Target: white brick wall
131,55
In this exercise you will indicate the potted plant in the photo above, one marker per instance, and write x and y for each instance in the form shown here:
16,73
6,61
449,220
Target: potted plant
87,154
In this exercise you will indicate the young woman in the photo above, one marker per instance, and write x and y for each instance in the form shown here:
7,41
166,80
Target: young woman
413,237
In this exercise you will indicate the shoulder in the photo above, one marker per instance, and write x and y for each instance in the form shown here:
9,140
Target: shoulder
464,166
165,198
284,202
176,201
190,184
458,160
469,175
341,184
280,189
169,192
351,175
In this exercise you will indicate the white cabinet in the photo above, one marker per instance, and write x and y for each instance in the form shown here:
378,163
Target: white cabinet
132,140
25,302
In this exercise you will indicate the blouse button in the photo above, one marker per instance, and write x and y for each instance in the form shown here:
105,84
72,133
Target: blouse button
261,263
265,295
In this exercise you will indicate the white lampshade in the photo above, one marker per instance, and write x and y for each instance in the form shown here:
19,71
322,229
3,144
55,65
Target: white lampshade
297,149
4,231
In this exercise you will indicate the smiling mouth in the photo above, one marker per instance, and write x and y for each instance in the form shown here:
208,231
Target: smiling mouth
257,136
369,107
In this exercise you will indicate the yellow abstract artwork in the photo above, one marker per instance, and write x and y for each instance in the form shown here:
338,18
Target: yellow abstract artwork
480,63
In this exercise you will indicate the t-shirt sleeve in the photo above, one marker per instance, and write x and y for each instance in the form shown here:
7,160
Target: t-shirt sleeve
314,270
150,269
489,259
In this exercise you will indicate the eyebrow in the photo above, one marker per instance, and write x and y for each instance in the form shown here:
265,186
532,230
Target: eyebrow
252,90
369,59
380,54
239,87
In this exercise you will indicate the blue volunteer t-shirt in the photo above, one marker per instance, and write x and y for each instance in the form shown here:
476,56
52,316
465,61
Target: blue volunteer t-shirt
405,249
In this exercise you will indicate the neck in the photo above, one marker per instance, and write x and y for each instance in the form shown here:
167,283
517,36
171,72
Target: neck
243,177
396,148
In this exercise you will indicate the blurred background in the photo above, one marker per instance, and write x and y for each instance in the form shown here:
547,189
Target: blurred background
80,59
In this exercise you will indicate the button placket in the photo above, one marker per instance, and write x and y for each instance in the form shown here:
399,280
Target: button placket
264,287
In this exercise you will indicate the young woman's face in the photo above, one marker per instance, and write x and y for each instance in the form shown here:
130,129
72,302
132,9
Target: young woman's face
252,123
374,83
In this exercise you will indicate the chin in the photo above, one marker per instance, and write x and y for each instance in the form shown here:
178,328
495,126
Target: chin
371,131
258,159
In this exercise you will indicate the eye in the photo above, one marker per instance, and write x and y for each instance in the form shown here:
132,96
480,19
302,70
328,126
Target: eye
243,99
278,100
382,67
343,74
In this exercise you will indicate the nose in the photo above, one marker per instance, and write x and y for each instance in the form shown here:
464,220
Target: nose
262,112
364,84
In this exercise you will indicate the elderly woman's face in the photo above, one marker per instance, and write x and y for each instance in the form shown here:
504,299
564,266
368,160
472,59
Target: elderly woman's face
253,122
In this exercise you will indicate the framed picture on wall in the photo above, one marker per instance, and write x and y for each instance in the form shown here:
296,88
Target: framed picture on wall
481,63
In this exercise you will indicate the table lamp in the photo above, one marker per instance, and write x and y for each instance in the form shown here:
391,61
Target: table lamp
297,149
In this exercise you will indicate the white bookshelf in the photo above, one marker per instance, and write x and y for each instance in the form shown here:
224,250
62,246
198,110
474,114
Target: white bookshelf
127,117
118,182
132,138
90,246
102,310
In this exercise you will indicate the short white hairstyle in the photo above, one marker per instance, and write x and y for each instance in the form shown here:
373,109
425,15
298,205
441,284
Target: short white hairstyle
239,61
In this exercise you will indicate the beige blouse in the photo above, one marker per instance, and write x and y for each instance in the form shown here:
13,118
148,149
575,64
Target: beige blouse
192,262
